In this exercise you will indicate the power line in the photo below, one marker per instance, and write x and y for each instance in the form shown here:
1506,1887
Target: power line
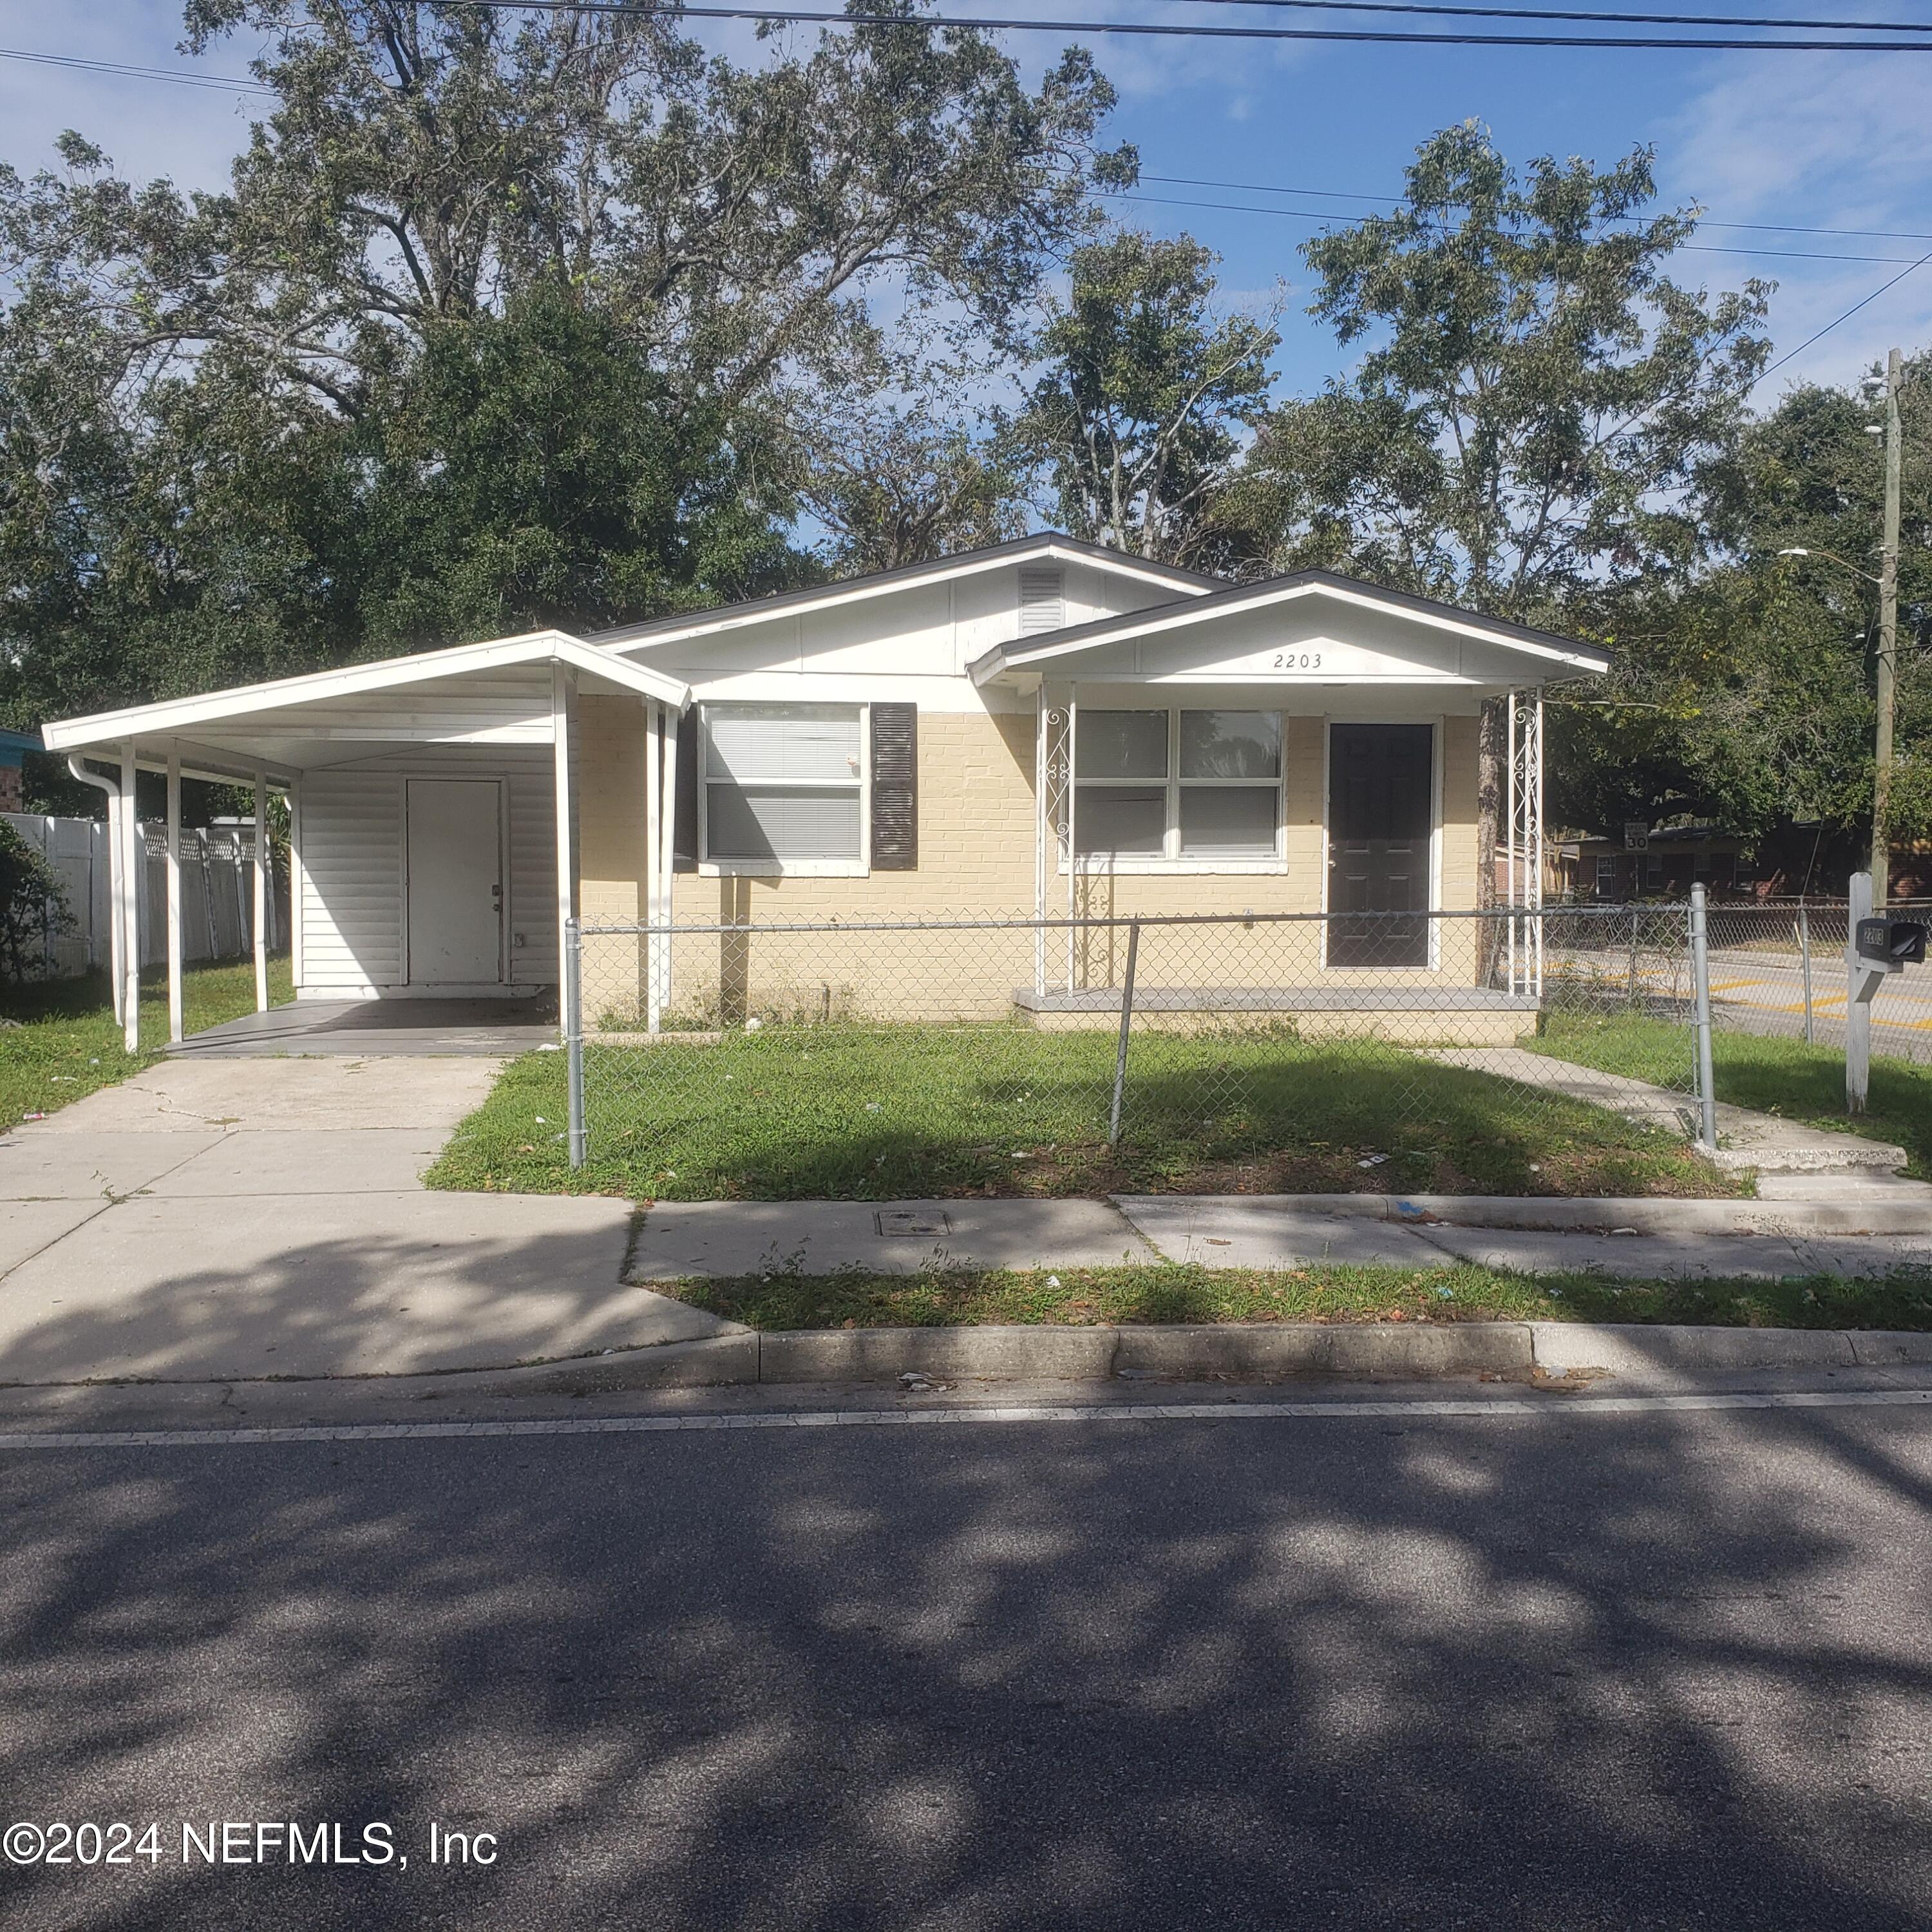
1174,30
1313,214
1865,303
1559,14
1395,201
178,79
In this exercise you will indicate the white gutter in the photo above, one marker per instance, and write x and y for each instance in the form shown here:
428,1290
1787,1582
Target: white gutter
76,764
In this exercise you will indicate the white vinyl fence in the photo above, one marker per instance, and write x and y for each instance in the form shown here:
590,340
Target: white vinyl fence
217,892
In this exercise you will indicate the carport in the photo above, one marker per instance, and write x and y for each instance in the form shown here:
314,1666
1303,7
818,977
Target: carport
432,799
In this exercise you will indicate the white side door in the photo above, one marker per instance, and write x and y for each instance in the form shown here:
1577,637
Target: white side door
455,881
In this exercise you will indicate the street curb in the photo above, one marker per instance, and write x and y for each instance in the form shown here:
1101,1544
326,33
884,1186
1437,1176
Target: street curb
1270,1350
1638,1214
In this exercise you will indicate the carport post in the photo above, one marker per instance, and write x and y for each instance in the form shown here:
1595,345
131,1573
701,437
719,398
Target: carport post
261,890
174,1024
129,910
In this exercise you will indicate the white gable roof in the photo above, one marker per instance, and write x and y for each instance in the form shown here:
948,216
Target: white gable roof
1177,637
362,703
1047,546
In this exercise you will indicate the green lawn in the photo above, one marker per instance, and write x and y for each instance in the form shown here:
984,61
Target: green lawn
65,1043
847,1113
1780,1076
1461,1293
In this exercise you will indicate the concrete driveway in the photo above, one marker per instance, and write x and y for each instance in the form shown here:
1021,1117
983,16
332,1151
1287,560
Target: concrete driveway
220,1218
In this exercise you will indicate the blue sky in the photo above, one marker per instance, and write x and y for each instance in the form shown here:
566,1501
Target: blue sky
1815,140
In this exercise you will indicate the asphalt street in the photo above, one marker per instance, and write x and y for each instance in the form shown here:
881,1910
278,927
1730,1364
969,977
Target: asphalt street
1542,1665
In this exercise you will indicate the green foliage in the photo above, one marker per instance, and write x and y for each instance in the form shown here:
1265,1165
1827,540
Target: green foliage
33,905
504,320
1134,426
1537,406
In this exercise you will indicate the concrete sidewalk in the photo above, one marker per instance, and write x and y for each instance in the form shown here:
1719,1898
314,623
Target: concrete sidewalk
248,1217
713,1238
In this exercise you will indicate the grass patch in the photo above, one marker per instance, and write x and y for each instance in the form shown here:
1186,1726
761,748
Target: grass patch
831,1112
65,1043
1173,1293
1779,1076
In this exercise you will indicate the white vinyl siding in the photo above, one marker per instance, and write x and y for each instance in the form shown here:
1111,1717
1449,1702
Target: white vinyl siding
783,788
352,877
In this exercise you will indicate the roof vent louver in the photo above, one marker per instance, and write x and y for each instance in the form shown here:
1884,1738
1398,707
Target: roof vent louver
1042,602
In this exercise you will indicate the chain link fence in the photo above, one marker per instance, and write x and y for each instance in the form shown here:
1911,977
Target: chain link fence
1492,1051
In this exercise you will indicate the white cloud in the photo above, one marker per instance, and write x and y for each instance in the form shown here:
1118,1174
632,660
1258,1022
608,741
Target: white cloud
1822,141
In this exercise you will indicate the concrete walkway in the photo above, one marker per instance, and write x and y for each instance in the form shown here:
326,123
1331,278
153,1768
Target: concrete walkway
245,1217
1746,1139
713,1238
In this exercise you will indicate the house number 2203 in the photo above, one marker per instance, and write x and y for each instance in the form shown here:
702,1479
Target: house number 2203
1297,660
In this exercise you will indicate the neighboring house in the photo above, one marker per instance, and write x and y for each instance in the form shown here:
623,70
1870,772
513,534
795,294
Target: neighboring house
1041,727
1668,863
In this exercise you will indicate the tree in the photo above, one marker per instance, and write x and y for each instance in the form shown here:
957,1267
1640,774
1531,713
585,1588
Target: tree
1758,672
896,483
499,322
1135,426
1538,412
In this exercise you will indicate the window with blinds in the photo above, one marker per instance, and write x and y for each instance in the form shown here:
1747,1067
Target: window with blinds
783,784
1202,787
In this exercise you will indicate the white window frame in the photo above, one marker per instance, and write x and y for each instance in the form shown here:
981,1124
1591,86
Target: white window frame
1171,858
1606,889
859,868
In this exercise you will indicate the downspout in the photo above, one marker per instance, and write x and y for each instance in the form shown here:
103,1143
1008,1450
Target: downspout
77,765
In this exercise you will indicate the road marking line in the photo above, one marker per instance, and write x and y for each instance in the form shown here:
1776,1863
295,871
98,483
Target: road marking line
1192,1412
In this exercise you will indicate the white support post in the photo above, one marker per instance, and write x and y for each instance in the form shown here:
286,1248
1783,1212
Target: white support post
175,1001
129,910
1039,834
117,926
653,860
1533,791
297,879
566,894
261,883
667,850
1073,796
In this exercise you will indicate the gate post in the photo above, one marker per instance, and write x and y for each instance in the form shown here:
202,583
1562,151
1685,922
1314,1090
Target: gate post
573,1037
1127,1025
1700,969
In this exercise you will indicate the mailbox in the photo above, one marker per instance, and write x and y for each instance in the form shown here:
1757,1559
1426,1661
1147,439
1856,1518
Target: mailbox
1887,944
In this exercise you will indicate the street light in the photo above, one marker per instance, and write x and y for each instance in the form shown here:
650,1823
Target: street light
1851,567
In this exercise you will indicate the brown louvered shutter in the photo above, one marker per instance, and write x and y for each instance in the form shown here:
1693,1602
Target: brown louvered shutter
684,830
895,787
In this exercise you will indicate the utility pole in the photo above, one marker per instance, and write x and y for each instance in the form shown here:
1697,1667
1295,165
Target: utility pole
1888,639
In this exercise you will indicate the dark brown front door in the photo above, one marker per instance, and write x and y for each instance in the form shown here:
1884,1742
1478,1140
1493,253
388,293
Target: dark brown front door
1378,822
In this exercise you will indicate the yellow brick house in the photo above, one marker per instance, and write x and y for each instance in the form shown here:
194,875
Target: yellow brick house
1043,731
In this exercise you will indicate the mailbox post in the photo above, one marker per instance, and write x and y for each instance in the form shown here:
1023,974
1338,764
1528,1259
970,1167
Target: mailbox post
1876,947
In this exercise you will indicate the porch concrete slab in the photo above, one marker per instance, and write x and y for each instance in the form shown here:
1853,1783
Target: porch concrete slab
93,1166
381,1028
1266,1231
1673,1257
198,1096
291,1286
680,1238
27,1227
262,1160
